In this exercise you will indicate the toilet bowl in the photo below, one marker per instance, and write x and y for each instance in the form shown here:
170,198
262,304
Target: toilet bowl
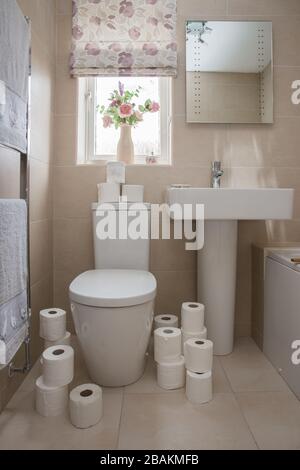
113,314
112,305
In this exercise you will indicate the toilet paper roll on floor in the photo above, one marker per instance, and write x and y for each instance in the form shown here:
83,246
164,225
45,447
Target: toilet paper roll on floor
199,335
199,387
198,355
162,321
171,375
52,324
133,192
50,401
108,192
192,317
66,340
167,344
58,365
86,408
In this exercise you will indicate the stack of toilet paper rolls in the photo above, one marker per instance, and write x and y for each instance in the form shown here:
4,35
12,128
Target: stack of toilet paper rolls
198,354
167,354
52,386
192,321
53,327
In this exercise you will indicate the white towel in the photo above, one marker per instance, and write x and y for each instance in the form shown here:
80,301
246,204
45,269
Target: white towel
13,248
14,72
13,277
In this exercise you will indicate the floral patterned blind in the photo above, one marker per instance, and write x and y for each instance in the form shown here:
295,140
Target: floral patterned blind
124,37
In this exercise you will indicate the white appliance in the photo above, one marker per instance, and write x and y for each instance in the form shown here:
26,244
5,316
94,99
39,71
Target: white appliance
112,306
282,313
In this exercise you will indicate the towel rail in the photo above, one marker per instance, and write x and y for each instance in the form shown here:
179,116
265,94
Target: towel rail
25,190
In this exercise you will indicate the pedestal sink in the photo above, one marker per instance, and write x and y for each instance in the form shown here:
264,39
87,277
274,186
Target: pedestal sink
217,260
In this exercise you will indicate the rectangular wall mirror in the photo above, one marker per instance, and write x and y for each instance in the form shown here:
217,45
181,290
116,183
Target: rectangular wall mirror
229,72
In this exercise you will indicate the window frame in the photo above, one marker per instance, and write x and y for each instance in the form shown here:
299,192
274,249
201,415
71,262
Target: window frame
86,124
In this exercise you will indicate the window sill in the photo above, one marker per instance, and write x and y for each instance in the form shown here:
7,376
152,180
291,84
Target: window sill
137,164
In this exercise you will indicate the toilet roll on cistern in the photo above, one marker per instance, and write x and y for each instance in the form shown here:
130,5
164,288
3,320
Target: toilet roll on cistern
166,320
50,401
58,366
53,324
198,355
86,408
108,192
167,344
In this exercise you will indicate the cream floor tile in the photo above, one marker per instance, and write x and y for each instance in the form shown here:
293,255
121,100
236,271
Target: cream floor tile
22,428
170,421
249,370
273,417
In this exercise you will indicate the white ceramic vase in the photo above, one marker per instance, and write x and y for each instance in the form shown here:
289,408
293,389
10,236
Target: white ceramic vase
125,149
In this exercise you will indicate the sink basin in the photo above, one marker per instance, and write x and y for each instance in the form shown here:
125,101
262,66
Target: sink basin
235,203
216,272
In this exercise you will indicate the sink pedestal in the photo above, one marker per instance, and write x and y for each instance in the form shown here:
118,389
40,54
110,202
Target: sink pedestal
217,280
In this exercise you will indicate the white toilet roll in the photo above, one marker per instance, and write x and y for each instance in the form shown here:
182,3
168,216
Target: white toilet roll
66,340
108,192
161,321
198,355
199,387
167,344
58,365
171,375
133,192
52,324
50,401
192,317
115,172
199,335
86,408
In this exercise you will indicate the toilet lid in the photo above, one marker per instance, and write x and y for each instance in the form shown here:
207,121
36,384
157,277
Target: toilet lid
113,288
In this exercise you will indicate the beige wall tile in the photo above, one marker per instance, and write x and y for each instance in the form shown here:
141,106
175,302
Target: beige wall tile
283,79
63,7
40,250
73,244
263,7
66,91
65,139
40,190
75,188
174,288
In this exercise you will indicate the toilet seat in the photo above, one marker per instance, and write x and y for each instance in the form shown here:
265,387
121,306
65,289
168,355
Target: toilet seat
113,288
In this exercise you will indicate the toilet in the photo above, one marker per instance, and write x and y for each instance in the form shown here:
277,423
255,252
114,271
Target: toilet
113,305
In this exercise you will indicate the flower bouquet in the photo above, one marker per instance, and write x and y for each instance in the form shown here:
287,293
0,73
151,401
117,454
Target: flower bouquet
124,113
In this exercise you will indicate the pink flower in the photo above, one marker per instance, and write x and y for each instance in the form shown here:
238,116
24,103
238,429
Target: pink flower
115,46
92,49
125,110
95,20
150,49
107,121
151,2
77,32
125,60
154,107
126,8
139,116
134,33
152,20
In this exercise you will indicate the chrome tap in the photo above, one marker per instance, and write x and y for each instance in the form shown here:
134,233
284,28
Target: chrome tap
216,173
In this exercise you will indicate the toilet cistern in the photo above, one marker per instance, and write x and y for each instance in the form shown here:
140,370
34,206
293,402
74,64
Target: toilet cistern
216,173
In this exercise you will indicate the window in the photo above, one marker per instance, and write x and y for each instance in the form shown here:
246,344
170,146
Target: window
151,137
